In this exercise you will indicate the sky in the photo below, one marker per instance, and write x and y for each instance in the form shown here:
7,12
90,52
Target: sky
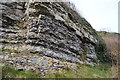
101,14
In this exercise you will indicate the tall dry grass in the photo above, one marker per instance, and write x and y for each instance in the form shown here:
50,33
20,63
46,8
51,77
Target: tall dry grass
112,43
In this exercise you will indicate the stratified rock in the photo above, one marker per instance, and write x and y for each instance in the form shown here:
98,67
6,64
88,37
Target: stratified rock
53,30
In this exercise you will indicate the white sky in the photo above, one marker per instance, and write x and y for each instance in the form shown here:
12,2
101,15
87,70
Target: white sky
101,14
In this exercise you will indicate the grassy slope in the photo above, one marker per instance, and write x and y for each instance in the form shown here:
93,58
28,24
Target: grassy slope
84,71
9,72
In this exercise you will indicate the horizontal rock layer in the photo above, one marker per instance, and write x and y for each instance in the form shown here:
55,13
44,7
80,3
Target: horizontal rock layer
50,29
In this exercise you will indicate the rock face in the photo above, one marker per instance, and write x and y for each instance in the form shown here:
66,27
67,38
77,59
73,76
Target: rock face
52,30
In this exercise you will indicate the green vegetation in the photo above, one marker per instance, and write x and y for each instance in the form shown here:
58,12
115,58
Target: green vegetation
111,40
101,49
9,72
84,71
8,50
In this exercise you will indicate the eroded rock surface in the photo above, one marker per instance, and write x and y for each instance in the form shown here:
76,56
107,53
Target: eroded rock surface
52,30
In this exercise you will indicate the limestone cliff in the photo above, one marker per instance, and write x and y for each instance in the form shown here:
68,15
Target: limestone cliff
45,36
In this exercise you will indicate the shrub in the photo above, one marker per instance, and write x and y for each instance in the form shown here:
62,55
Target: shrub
101,49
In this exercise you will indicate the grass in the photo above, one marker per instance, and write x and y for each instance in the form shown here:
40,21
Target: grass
9,72
84,71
